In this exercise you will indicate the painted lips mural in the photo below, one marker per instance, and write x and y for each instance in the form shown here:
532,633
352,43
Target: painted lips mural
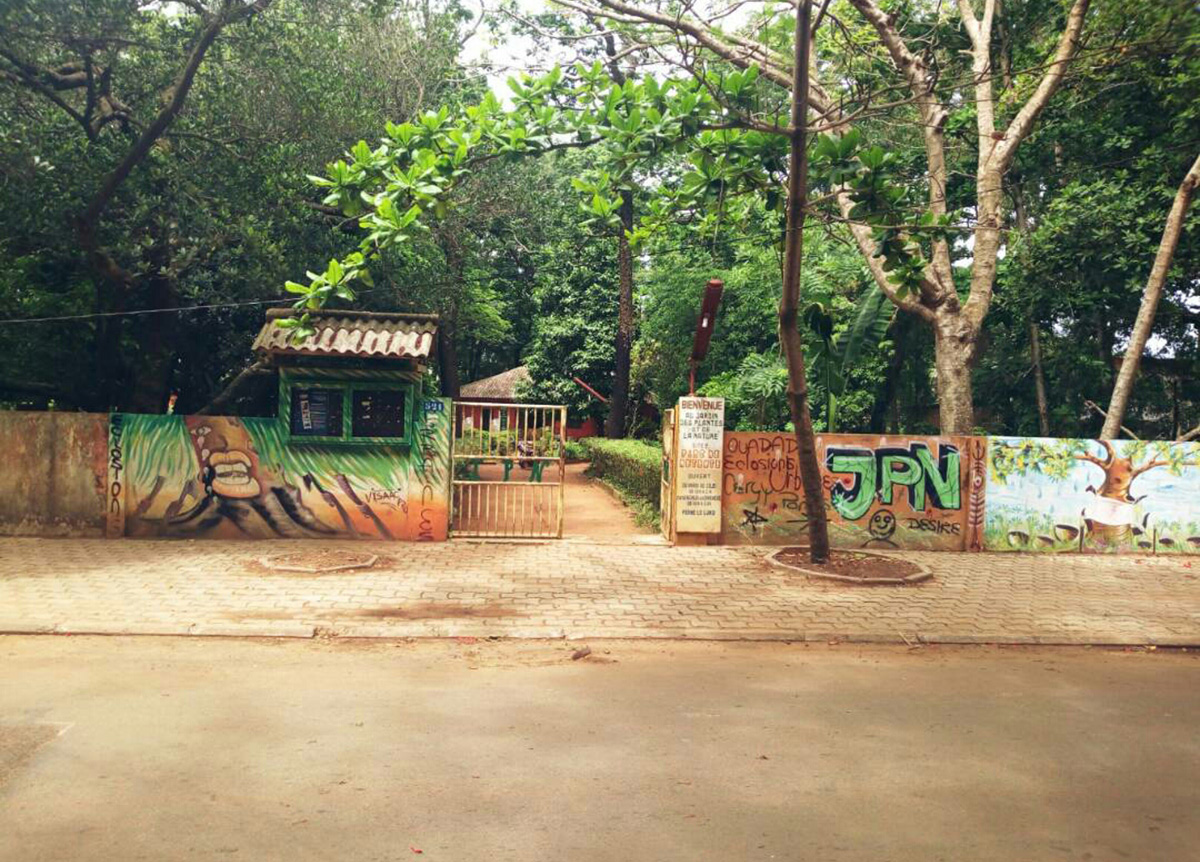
226,477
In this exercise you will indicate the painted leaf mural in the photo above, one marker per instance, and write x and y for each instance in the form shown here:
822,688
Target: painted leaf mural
227,477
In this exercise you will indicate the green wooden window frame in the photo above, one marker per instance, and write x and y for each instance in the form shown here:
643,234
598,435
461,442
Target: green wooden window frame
347,388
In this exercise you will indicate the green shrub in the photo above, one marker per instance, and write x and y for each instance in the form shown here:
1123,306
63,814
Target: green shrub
476,441
632,467
576,451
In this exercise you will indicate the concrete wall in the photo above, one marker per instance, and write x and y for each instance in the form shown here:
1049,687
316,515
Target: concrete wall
218,477
882,492
968,493
53,474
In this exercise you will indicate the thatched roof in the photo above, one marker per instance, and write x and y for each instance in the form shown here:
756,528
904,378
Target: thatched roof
367,334
498,387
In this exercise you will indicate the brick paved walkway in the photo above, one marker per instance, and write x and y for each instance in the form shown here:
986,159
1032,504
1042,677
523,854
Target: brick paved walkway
579,589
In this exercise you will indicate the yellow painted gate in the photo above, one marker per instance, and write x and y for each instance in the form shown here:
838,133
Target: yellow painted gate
509,470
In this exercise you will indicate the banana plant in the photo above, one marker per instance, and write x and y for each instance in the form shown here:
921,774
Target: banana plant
830,357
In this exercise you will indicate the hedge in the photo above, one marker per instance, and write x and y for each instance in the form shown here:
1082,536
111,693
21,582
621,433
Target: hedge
632,467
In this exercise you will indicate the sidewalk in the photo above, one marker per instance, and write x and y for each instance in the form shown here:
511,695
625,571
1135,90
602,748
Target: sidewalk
579,589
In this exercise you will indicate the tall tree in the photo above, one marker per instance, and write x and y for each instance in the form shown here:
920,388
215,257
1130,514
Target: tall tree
1144,323
75,73
196,226
927,290
789,302
618,407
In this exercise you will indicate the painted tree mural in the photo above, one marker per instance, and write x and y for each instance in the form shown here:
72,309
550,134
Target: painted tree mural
1090,494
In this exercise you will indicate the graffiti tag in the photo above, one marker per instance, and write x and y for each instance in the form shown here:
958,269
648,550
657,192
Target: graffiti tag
931,525
875,475
753,520
389,497
116,471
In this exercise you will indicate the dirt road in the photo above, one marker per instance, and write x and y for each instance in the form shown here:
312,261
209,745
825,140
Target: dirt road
182,749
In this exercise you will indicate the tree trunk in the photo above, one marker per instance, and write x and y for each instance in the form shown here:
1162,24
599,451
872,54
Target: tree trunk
1021,219
618,408
900,331
448,356
789,302
156,334
447,334
1123,388
954,350
152,372
618,405
107,360
222,398
1039,379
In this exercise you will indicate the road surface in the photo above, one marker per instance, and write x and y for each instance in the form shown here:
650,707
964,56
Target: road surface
207,748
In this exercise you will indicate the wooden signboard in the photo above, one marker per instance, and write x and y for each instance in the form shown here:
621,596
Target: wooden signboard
701,429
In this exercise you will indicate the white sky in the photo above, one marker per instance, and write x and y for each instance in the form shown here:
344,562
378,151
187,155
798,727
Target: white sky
506,55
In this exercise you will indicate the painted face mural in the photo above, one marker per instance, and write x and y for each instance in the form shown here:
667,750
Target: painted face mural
225,477
232,490
228,467
882,525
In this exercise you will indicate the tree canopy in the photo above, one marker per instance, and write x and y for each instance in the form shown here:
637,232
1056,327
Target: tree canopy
982,174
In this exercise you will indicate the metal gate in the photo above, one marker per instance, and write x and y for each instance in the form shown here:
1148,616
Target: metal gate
509,470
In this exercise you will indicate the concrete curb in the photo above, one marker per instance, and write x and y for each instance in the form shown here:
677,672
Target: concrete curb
270,629
287,629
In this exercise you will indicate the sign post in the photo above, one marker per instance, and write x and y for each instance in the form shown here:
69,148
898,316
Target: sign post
700,429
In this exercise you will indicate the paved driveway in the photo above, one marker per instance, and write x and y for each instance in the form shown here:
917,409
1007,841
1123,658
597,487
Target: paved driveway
581,589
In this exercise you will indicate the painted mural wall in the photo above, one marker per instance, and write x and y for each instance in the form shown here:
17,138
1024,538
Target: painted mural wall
225,477
880,492
1127,496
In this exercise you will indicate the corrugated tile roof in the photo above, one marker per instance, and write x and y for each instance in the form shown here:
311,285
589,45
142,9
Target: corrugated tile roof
352,333
503,385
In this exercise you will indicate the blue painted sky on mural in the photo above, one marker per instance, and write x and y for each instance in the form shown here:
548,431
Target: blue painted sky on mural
1168,499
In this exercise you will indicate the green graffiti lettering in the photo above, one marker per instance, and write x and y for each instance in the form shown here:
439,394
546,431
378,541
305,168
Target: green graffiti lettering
947,493
535,471
852,503
901,470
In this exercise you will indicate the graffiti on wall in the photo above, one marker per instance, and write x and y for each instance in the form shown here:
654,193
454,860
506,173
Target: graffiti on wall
226,477
1092,495
880,492
115,494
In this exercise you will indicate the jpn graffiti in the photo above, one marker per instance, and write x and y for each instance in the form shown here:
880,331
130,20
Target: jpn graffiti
878,473
880,492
